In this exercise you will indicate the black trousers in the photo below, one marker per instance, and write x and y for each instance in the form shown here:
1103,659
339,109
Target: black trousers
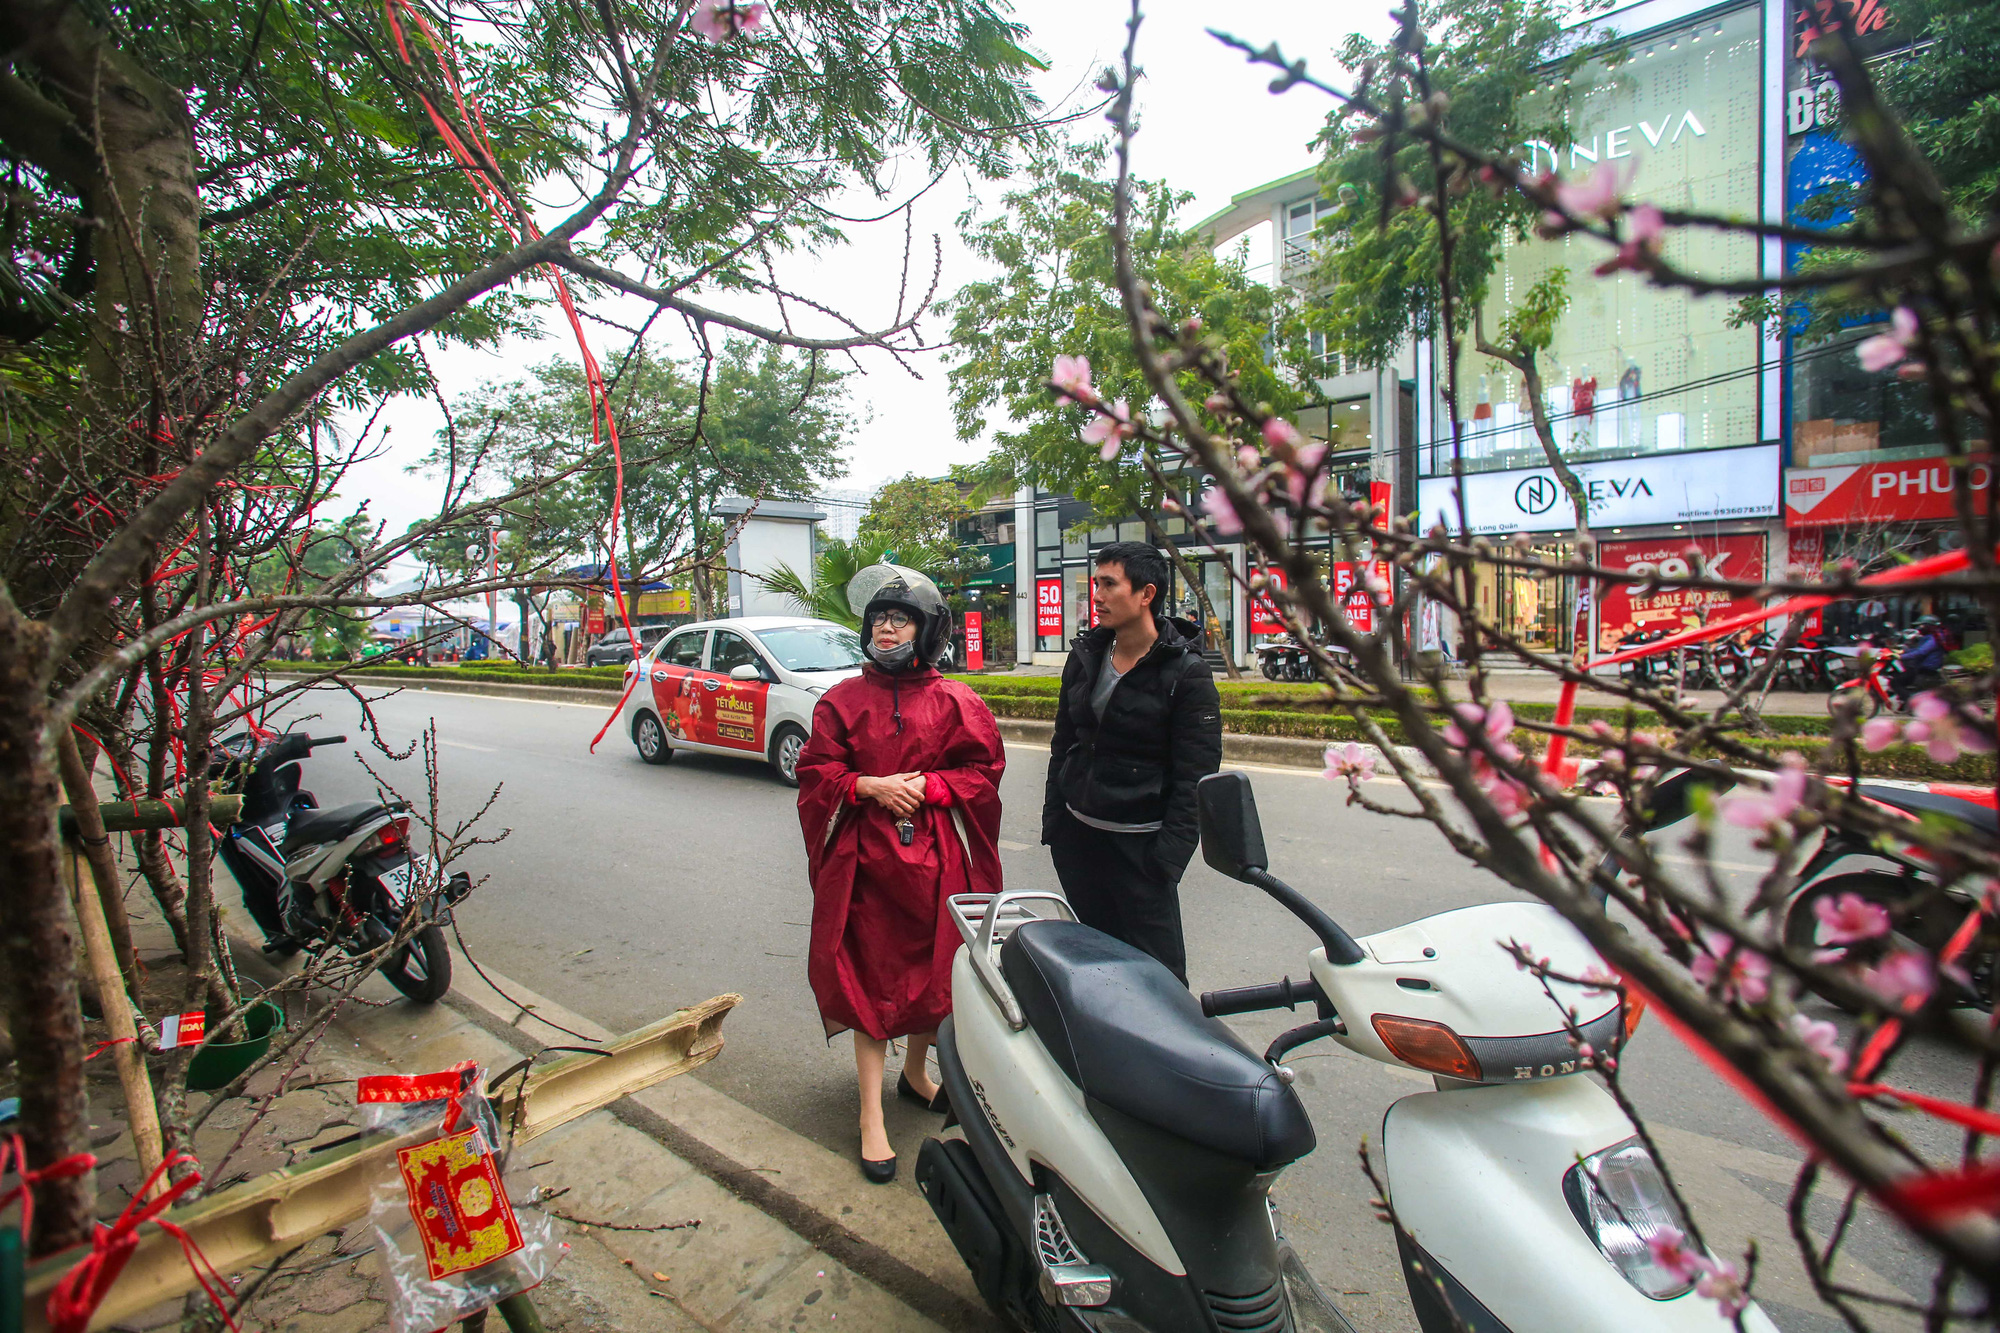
1108,880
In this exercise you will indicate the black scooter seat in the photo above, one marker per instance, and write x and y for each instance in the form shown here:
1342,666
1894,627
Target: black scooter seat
1128,1034
323,826
1980,818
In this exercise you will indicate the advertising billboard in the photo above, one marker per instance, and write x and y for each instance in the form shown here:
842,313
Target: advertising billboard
1635,368
1622,492
1864,494
1627,608
1048,607
1264,617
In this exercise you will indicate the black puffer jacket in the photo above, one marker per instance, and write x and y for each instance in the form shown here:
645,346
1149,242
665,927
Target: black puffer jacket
1162,733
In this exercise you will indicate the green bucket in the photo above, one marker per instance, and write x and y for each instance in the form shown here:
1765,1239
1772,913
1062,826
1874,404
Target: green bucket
221,1061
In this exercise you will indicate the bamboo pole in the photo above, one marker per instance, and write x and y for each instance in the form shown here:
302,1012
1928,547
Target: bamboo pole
142,1112
97,850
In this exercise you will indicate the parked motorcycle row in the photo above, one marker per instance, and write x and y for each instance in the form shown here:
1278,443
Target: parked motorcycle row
1841,667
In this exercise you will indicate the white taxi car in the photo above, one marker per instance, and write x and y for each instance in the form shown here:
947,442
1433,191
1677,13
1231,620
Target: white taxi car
742,687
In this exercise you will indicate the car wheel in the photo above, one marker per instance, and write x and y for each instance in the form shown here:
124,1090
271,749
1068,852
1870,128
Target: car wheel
786,747
651,738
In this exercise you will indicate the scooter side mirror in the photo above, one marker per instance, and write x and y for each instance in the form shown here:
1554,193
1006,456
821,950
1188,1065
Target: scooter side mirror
1232,839
1672,799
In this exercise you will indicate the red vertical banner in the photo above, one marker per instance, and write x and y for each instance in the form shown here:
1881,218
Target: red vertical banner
1353,598
1048,607
1378,495
1264,618
593,614
975,641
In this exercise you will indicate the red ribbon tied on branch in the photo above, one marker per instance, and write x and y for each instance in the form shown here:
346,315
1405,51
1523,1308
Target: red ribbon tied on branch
84,1287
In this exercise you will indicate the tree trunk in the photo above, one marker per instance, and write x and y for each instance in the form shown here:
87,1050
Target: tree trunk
38,940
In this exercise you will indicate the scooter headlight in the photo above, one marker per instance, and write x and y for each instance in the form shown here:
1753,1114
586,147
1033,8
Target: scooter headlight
1621,1201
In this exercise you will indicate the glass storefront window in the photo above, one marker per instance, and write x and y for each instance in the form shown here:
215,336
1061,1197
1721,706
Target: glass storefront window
1540,612
1839,409
1635,369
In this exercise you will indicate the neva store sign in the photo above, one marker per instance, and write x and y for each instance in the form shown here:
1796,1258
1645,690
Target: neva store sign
1623,492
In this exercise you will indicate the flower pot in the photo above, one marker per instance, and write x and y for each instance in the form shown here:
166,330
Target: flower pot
219,1062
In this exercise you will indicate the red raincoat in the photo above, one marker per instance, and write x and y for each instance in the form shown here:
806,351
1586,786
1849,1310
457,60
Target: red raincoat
882,941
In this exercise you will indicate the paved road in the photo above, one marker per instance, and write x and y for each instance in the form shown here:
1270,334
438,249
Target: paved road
625,890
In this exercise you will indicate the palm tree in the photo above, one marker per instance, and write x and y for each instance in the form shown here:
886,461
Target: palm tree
833,569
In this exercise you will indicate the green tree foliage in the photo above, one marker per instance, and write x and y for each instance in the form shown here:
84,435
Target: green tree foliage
329,553
1055,294
770,425
834,566
311,180
915,520
1376,276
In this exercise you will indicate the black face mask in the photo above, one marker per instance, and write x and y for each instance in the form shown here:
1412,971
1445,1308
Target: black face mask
899,658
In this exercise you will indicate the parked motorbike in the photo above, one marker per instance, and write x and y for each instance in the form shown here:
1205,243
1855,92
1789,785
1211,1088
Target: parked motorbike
1283,658
1120,1143
319,879
1922,911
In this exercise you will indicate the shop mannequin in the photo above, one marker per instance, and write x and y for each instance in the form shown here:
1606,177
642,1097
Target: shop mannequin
1482,442
1629,411
1583,406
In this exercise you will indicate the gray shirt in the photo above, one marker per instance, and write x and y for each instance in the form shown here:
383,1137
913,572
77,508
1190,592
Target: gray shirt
1108,677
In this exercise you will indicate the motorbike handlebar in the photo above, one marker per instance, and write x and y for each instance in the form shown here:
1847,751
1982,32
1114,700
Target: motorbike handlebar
312,742
1285,994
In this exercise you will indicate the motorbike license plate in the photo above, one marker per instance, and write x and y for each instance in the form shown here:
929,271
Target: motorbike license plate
396,883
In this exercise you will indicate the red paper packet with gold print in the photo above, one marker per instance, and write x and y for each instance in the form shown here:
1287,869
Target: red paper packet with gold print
452,1238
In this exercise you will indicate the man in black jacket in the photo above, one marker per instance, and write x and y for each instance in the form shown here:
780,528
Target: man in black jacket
1138,724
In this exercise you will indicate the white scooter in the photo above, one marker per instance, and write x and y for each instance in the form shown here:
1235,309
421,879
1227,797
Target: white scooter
1120,1143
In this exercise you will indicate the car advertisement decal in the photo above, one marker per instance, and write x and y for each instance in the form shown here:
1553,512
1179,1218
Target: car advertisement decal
739,714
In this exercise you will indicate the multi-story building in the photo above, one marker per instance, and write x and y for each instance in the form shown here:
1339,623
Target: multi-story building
1699,438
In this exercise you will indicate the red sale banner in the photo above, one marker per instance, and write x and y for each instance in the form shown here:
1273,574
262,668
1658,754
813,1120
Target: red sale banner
1353,599
1626,608
1048,607
1263,611
975,641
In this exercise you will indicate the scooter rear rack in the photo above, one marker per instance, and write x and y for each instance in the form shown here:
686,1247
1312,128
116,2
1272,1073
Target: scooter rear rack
984,921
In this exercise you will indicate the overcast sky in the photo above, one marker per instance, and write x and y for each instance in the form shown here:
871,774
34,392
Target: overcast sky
1209,125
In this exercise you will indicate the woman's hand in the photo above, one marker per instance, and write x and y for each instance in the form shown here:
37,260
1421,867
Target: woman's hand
900,793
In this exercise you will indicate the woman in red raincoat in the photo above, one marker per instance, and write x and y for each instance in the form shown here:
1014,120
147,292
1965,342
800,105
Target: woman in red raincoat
899,798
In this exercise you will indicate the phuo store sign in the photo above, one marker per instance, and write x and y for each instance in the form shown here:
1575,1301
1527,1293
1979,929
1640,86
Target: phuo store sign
1864,494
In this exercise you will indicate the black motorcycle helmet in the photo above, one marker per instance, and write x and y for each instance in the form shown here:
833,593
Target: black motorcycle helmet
879,587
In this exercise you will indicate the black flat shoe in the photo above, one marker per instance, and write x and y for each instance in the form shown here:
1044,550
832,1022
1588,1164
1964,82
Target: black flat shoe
879,1173
939,1103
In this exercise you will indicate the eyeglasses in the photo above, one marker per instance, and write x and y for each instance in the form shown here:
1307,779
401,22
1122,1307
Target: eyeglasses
897,619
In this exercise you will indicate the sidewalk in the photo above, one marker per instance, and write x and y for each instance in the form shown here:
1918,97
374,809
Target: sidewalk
780,1239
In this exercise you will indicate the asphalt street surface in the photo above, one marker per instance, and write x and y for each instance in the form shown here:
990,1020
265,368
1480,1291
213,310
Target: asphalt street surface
624,891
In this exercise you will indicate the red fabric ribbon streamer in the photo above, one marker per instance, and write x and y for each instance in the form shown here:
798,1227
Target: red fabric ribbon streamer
14,1150
84,1287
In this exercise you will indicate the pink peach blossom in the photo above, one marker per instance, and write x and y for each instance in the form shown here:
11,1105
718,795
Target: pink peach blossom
1766,809
1673,1253
1281,435
1722,1284
1112,427
1744,977
1822,1039
1596,195
1886,349
1221,514
1905,978
720,20
1849,919
1349,761
1878,734
1072,376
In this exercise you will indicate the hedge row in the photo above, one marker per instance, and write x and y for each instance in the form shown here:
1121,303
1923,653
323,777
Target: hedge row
1264,697
1900,761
